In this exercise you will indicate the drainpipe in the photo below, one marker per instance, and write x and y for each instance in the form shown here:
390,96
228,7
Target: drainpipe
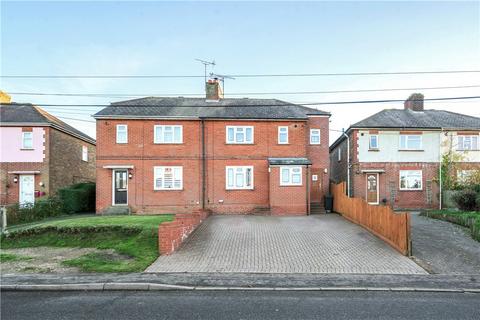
348,162
204,183
440,168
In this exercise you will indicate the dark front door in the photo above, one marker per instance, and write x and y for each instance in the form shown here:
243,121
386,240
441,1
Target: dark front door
120,187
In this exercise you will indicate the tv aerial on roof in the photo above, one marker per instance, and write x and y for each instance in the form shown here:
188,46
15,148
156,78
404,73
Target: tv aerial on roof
205,64
222,78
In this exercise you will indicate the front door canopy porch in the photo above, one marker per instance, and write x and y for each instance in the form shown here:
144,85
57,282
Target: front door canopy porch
119,166
289,162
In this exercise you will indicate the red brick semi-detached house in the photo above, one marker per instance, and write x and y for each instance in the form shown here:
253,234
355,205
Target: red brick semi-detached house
178,155
40,154
395,154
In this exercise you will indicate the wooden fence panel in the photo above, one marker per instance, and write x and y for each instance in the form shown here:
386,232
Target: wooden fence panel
393,228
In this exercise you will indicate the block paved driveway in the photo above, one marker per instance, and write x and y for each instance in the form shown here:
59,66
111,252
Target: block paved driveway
265,244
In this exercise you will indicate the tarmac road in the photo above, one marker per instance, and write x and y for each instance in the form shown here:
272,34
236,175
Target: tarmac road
238,305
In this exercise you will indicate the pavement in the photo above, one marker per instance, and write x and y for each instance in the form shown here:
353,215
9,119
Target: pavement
443,247
213,305
241,281
325,243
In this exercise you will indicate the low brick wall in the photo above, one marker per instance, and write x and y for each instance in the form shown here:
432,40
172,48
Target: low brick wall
172,234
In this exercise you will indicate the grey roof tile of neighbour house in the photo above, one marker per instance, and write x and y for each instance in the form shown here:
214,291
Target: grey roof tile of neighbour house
289,161
243,108
434,119
25,114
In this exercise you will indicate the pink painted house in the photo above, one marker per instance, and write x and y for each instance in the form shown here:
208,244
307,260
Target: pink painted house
40,154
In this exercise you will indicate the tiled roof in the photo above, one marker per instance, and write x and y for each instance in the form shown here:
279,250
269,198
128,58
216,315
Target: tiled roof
434,119
245,108
28,114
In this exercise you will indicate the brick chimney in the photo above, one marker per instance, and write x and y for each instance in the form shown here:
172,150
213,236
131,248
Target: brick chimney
5,97
414,102
213,90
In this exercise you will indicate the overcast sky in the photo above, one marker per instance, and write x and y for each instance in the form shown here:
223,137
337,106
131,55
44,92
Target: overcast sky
78,38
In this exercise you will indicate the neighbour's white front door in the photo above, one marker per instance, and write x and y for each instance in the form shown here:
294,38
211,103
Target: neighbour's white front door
27,189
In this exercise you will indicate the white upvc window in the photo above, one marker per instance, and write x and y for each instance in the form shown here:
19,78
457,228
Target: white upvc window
290,176
122,133
339,154
314,136
27,140
168,178
410,179
464,176
373,141
468,143
410,142
239,177
168,134
240,134
282,135
84,153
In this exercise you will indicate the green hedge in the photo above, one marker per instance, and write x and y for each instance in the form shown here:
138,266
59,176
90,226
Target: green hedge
79,197
41,209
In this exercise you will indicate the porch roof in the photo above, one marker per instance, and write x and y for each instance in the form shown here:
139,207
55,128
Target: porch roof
289,161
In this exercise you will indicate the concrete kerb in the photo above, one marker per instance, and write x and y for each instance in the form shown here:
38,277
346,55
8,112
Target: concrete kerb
116,286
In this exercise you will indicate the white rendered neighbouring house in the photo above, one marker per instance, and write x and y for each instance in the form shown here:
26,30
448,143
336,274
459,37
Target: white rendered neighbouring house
394,156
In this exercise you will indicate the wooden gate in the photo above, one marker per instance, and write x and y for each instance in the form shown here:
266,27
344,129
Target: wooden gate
382,221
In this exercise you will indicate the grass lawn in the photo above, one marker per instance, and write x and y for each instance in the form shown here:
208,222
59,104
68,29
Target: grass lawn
135,237
469,219
7,257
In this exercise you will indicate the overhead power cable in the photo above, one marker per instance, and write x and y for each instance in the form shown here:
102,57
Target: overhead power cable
157,76
126,95
265,105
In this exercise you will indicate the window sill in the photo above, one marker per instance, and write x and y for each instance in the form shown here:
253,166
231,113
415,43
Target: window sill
240,189
27,149
168,143
239,143
291,185
315,144
373,150
409,190
283,144
463,150
411,150
168,189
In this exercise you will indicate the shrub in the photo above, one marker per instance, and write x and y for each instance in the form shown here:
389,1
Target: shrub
466,199
42,208
78,197
478,201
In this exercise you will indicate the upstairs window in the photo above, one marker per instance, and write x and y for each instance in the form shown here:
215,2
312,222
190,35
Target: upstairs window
410,179
373,142
290,176
410,142
240,134
27,140
239,177
467,143
314,136
282,135
84,153
168,178
122,133
168,134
